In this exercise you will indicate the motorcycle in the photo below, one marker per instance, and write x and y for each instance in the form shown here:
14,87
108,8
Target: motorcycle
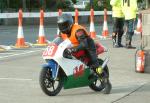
63,71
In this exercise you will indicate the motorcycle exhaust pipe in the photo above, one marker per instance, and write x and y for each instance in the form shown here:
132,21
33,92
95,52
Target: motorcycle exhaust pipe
105,63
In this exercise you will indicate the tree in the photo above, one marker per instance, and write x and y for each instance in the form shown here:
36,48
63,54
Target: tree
74,1
66,5
24,4
99,5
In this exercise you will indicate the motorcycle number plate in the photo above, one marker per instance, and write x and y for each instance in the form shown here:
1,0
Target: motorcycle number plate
50,50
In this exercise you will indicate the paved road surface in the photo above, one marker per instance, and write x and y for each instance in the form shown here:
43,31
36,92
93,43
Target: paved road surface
19,79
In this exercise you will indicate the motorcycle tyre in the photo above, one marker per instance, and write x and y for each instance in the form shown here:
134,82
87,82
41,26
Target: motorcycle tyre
102,86
43,86
108,88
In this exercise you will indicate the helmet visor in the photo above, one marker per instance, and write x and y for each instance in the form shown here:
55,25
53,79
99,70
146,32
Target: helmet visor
64,27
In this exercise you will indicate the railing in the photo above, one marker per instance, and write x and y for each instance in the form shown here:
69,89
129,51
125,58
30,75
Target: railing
49,14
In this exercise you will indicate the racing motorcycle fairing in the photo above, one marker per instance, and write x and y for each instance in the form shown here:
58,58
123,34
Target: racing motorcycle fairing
54,52
61,71
53,66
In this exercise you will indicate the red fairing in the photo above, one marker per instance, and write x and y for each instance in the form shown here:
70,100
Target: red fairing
81,54
99,48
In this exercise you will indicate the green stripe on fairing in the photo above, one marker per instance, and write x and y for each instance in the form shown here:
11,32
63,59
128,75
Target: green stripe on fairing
80,81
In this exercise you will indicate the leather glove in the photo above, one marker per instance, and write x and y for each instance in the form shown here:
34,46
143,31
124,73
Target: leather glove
67,53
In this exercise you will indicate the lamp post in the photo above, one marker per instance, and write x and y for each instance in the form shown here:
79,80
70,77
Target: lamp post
147,3
43,4
91,3
24,5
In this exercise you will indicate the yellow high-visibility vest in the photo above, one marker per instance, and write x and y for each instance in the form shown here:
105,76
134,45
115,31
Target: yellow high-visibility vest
129,8
116,8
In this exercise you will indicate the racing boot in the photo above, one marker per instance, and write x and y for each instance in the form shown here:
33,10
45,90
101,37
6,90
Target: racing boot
103,76
99,70
96,72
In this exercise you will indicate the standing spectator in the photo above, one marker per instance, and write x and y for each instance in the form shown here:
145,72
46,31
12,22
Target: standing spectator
129,8
118,22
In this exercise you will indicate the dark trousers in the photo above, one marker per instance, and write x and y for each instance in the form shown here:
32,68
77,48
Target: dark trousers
88,45
118,24
130,31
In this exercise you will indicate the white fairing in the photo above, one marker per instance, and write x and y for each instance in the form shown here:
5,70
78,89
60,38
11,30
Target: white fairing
68,65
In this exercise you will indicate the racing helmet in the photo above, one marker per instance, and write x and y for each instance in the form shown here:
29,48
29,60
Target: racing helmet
65,22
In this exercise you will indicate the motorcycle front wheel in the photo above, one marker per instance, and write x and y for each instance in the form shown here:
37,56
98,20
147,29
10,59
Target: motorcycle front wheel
49,86
98,84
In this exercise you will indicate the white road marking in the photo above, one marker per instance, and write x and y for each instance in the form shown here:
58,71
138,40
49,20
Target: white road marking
5,53
18,54
18,79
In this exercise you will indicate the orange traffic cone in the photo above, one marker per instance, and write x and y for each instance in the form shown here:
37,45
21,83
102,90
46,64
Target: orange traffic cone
42,39
140,61
76,16
59,13
20,43
92,28
139,24
105,27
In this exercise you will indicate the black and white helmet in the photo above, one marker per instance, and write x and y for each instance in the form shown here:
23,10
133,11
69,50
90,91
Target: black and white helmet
65,22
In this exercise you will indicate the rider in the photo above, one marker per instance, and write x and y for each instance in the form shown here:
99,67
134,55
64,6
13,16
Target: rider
80,39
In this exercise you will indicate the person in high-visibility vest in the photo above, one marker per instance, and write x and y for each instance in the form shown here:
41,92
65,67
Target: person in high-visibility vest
129,8
118,22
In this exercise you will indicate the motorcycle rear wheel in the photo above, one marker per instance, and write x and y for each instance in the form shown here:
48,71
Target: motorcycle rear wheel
98,84
49,86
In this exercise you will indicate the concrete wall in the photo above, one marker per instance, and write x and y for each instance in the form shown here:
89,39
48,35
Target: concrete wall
146,37
147,61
